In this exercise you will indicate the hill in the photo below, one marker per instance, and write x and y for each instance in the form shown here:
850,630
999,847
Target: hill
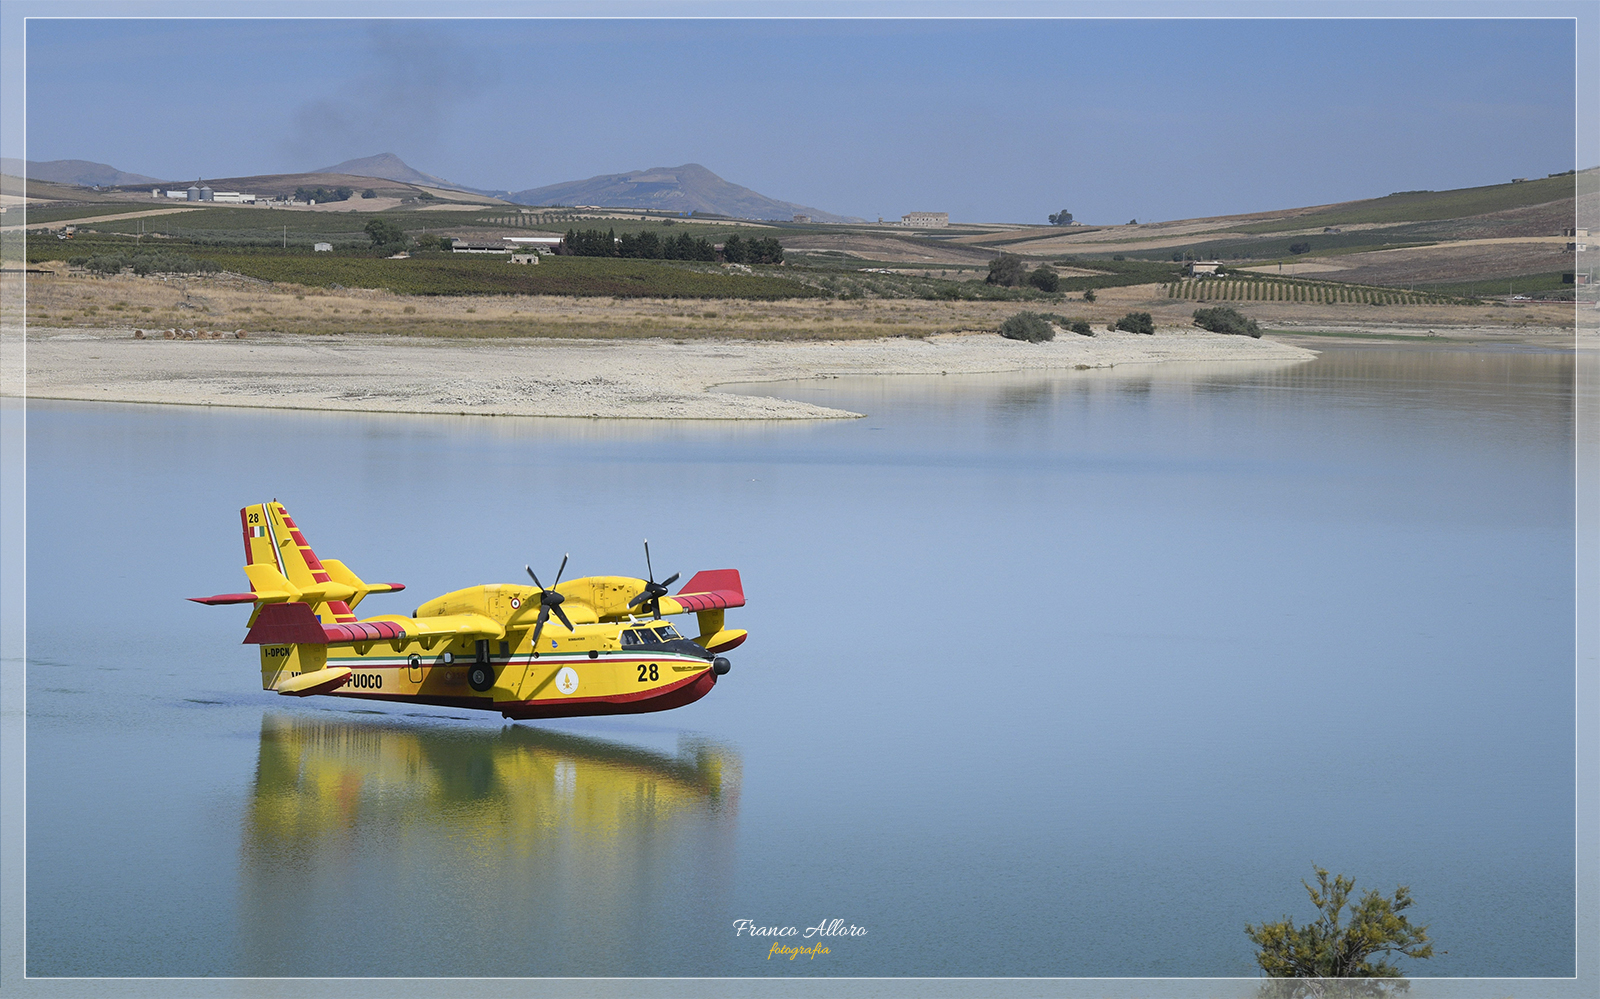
276,184
83,173
388,166
681,189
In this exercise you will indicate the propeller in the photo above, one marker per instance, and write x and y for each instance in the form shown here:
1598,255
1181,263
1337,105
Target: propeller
549,600
653,591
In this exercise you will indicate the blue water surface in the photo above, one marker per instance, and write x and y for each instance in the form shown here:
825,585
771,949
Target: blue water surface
1066,674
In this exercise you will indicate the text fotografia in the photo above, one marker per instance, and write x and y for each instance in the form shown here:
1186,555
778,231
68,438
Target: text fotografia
826,928
784,950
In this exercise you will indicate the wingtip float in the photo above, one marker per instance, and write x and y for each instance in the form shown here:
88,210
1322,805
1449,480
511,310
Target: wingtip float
590,646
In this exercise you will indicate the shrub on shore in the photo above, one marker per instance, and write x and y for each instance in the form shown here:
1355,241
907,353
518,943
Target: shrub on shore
1225,320
1136,322
1029,326
1078,326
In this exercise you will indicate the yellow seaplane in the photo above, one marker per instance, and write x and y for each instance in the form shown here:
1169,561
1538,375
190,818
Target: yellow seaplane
485,647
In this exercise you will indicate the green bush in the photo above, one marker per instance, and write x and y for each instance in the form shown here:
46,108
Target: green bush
1077,326
1029,326
1088,295
1136,322
1225,320
1044,279
1299,247
1007,269
383,232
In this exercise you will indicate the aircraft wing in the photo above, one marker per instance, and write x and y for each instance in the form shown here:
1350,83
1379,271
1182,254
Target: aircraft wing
707,590
297,624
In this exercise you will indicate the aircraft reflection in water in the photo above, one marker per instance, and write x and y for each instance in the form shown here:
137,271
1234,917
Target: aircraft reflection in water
385,848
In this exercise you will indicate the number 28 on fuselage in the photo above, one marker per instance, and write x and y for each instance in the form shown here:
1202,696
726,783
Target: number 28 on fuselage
589,646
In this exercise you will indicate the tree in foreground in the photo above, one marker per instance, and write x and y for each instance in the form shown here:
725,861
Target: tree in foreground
1308,956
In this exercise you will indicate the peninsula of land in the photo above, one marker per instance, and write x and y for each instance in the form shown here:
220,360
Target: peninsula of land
611,379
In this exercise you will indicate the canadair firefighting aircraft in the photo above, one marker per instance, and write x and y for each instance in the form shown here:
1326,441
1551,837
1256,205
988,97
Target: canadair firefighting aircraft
609,649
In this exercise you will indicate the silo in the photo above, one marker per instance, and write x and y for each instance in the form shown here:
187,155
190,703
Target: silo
206,194
194,194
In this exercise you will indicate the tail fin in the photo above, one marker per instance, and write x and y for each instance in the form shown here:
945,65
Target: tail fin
276,553
295,595
272,539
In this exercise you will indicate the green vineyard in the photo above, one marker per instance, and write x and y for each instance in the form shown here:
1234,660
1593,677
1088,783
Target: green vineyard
1274,289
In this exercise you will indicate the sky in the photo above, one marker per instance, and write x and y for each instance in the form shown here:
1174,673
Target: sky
1002,120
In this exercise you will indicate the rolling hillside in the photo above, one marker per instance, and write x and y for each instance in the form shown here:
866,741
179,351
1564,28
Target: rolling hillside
82,173
388,166
680,189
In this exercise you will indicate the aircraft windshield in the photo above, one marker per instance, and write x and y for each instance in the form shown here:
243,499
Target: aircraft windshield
631,638
668,633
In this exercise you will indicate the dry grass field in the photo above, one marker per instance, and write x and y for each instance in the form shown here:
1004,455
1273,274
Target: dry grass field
227,303
1445,263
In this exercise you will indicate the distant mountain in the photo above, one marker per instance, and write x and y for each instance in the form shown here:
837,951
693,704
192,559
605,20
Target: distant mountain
388,166
687,188
81,172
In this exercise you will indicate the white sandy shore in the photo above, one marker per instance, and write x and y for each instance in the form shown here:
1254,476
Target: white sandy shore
648,379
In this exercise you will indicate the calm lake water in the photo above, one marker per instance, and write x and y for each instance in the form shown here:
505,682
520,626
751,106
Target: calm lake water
1054,675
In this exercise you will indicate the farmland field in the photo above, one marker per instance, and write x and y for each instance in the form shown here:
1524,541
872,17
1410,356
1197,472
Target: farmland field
493,274
1426,206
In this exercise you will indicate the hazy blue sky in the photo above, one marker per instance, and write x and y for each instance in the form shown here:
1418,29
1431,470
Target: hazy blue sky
986,119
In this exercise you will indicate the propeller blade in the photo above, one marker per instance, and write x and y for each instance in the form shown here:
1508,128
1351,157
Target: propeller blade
669,581
649,570
563,616
535,578
641,598
544,615
561,570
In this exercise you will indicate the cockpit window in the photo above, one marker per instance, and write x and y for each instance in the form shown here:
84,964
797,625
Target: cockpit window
668,633
631,638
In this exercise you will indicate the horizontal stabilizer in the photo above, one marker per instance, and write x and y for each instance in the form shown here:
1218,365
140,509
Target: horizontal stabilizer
297,624
226,598
708,589
319,681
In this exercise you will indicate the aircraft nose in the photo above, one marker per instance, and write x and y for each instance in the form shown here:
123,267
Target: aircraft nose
721,665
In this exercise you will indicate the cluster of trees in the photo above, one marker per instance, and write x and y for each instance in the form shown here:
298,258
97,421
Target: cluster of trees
388,238
1299,247
323,194
1008,270
755,251
383,232
1225,320
144,263
649,245
1063,217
